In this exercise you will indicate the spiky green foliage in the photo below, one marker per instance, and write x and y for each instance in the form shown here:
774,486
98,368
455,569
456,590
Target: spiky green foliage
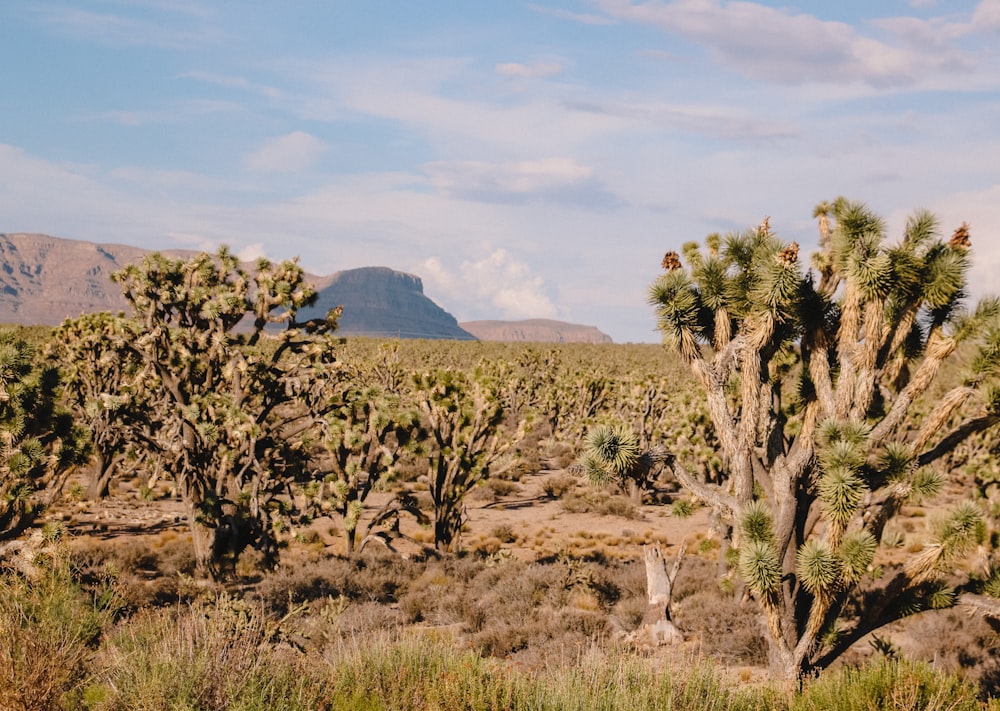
960,530
925,483
896,460
991,581
941,597
819,385
40,444
616,447
757,523
840,493
760,567
856,554
818,567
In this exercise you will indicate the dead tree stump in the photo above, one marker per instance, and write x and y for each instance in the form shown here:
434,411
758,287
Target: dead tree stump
657,628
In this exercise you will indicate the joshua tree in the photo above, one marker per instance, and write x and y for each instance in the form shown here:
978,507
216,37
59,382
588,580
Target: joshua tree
224,401
39,443
611,453
464,419
99,385
364,435
813,381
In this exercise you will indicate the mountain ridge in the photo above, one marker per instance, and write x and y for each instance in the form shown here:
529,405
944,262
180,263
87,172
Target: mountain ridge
541,330
44,280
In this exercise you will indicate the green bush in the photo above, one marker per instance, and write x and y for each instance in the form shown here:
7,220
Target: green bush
48,630
888,685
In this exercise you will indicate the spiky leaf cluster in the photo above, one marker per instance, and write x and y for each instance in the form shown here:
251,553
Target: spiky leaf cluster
856,553
757,523
760,567
611,452
818,567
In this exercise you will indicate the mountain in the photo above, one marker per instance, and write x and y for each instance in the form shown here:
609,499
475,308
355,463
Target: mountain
537,329
384,303
45,280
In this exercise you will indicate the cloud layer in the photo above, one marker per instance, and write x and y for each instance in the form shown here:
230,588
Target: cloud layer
526,160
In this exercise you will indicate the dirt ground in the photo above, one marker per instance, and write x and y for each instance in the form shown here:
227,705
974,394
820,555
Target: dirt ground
526,522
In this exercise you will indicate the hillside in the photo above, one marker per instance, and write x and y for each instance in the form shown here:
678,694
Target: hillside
45,280
536,330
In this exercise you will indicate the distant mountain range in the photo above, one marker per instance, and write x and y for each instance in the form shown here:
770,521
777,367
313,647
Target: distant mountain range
536,329
45,280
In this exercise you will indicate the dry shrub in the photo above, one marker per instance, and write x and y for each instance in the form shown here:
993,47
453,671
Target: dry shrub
558,455
957,642
728,629
214,656
372,576
142,575
325,624
503,533
510,608
493,489
48,627
599,502
558,485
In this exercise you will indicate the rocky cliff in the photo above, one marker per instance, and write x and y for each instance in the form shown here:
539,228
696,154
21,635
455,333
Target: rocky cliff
384,303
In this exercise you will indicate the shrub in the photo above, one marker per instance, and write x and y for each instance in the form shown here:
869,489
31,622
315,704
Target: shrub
48,628
558,485
888,685
204,657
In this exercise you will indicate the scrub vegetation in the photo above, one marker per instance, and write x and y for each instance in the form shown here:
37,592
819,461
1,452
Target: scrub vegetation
210,504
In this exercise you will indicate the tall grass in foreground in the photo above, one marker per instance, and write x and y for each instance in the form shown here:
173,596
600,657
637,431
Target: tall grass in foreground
421,672
59,649
48,629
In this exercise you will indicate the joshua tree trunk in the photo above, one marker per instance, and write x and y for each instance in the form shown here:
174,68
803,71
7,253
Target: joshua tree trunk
99,484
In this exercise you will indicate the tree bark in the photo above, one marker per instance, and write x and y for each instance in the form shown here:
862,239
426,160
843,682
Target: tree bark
657,628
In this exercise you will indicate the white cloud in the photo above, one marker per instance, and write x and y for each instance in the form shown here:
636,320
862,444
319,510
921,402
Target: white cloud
173,113
719,120
987,16
419,95
584,18
499,286
547,180
791,47
529,71
233,82
118,30
290,153
252,252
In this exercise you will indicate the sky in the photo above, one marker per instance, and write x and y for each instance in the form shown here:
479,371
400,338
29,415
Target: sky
525,159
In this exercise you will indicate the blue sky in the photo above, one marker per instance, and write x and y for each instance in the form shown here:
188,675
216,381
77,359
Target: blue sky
526,159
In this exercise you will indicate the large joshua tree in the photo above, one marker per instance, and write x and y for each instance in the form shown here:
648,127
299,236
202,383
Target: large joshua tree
223,365
817,382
